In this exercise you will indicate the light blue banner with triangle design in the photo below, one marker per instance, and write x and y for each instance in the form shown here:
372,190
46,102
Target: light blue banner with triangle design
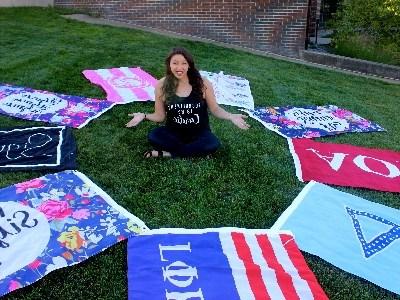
356,235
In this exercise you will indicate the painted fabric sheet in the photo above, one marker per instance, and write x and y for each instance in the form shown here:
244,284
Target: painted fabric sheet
53,222
33,148
311,121
230,90
346,165
224,263
356,235
35,105
124,85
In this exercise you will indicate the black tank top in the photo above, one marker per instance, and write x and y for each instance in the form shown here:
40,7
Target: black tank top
187,114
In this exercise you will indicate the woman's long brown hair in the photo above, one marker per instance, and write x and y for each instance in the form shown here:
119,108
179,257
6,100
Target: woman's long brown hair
171,82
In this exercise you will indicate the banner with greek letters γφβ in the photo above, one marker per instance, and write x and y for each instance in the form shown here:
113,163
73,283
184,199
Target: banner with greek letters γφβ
353,234
311,121
56,221
60,109
34,148
346,165
223,263
124,85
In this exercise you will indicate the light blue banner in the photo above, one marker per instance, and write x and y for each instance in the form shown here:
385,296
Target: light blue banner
356,235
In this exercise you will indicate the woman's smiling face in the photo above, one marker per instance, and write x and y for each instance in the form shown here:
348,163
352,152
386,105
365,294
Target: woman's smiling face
179,66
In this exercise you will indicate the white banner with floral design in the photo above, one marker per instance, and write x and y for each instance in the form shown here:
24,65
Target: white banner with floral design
56,221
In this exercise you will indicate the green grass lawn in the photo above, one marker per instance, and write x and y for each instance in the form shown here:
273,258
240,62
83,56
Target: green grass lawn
249,183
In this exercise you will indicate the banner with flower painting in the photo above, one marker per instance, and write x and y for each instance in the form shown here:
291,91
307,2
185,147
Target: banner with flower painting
56,221
36,105
311,121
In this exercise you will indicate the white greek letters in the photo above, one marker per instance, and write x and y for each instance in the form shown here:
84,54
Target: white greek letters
393,170
184,296
180,270
173,248
336,160
179,273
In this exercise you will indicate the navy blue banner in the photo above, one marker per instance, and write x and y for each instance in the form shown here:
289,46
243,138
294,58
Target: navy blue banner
37,148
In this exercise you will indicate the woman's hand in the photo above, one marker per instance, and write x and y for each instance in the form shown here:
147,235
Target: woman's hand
137,118
239,121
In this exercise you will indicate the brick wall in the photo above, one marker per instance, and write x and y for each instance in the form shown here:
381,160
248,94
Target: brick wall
277,26
314,15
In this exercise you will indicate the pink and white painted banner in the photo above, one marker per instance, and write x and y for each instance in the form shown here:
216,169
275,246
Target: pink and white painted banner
220,263
346,165
124,85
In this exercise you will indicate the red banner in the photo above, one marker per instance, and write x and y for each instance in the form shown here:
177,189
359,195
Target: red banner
346,165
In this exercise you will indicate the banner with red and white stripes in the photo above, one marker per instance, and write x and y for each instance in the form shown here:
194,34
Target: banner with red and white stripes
223,263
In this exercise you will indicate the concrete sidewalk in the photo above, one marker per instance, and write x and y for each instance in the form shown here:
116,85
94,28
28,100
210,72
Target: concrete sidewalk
101,21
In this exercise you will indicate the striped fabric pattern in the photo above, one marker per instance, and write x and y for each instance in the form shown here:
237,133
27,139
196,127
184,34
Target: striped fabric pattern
224,263
124,85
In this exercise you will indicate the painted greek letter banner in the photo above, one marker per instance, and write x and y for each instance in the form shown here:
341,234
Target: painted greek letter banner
53,222
33,148
35,105
346,165
124,85
356,235
311,121
224,263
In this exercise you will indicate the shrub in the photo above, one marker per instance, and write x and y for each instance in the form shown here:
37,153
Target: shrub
379,19
363,47
371,28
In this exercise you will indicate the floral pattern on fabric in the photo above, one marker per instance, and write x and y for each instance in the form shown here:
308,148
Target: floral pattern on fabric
64,218
311,121
36,105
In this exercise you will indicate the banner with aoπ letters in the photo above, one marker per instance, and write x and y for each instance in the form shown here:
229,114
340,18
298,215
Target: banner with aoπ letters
353,234
53,222
311,121
346,165
35,105
34,148
221,263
